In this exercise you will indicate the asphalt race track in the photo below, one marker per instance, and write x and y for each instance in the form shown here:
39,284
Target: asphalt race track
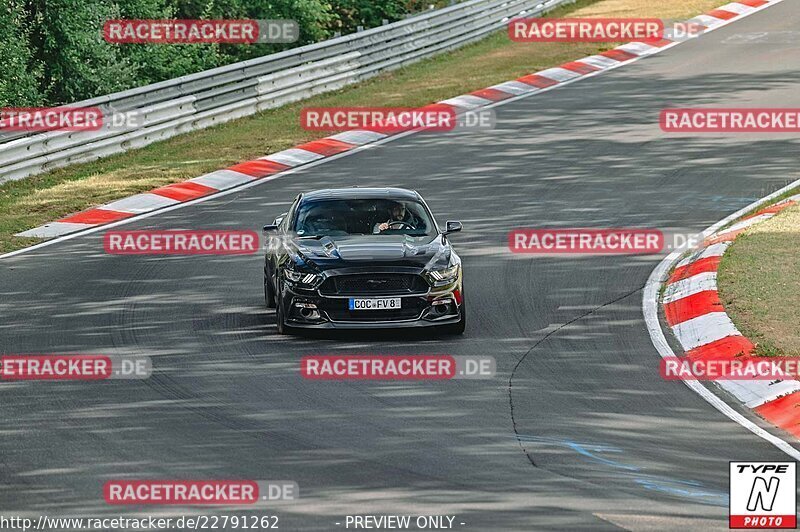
578,431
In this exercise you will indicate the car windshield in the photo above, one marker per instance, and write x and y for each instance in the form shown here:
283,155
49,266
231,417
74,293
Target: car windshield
338,217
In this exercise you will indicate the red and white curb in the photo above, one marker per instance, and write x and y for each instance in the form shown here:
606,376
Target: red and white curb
695,314
205,185
693,311
276,163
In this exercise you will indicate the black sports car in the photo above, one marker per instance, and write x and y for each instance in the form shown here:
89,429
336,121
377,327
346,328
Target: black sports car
362,258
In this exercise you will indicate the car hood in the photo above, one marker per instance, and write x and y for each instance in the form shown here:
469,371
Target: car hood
398,250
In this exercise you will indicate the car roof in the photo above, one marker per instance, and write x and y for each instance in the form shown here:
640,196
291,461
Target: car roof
361,193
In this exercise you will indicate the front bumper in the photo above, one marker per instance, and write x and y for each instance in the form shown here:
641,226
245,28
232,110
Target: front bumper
372,324
308,309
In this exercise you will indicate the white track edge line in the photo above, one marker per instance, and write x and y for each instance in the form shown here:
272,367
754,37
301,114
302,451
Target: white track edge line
650,311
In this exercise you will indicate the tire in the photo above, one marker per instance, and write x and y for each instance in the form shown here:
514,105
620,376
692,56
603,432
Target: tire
279,319
269,293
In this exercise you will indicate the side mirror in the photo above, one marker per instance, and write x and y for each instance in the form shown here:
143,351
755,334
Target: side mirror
279,219
270,228
452,226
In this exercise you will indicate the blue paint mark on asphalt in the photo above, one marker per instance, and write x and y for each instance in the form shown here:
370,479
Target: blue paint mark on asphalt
589,450
684,489
681,488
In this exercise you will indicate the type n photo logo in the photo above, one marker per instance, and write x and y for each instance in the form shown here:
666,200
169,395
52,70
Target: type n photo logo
763,495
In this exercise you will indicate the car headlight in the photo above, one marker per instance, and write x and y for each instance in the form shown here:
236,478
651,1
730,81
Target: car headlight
301,278
445,276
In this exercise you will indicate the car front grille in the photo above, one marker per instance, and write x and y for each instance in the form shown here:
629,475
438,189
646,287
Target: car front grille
337,310
374,285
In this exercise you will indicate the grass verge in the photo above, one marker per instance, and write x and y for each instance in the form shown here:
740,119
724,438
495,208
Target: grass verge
759,284
40,199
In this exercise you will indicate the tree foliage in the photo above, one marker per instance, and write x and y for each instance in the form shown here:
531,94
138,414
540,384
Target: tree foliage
20,80
53,52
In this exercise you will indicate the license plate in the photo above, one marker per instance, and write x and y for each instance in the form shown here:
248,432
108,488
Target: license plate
386,303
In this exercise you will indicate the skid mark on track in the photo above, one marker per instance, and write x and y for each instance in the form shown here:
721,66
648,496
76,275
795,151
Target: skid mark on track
534,346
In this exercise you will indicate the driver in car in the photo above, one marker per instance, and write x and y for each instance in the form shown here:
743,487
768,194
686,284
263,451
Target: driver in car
398,219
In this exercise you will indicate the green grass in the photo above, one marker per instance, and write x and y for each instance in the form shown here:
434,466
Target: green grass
759,284
39,199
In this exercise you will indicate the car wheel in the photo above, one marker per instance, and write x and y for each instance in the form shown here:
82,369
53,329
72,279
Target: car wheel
269,293
279,319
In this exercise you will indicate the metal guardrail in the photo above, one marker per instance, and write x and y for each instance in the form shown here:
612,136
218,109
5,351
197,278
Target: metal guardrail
225,93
